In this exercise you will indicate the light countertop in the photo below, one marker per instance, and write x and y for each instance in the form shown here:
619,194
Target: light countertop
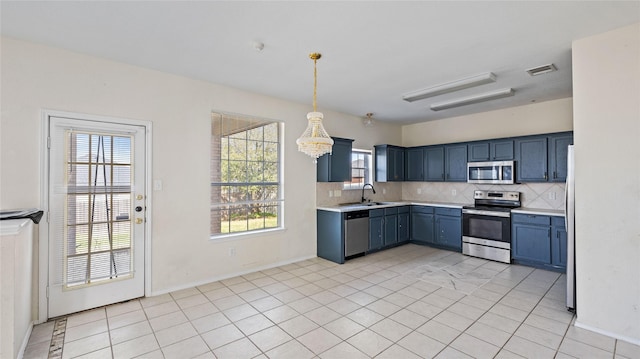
376,205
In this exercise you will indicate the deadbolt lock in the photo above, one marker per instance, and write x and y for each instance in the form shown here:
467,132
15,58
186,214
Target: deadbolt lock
139,197
138,220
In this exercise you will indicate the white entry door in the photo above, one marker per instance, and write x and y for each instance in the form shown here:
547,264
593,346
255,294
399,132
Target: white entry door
96,214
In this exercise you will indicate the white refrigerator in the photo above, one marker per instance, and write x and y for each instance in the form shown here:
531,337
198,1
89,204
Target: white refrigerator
569,217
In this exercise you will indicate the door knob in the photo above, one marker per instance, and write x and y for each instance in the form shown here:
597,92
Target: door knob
138,209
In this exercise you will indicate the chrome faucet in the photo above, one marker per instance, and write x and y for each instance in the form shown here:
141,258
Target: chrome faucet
365,186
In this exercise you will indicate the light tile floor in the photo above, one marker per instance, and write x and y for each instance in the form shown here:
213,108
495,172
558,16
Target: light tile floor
407,302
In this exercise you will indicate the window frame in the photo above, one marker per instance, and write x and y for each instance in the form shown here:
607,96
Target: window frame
246,205
350,185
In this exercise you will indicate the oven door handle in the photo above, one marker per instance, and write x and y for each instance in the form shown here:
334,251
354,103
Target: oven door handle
487,213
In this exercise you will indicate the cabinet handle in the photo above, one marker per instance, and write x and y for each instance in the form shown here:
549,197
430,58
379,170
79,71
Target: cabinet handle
546,176
555,174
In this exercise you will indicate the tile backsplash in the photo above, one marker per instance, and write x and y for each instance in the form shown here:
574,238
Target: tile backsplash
533,195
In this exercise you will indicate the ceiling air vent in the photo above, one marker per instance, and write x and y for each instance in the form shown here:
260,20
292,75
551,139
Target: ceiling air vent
542,69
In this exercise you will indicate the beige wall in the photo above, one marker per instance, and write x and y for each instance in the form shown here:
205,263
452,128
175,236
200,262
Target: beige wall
36,77
606,88
543,117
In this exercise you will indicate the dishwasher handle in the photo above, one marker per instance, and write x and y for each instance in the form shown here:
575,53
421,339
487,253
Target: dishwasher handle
356,214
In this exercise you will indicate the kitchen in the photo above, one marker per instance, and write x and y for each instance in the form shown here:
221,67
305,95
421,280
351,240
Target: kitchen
609,211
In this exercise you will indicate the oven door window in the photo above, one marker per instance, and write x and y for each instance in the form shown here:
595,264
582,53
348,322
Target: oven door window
487,227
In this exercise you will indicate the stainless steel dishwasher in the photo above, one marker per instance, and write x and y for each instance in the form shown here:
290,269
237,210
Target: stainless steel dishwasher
356,232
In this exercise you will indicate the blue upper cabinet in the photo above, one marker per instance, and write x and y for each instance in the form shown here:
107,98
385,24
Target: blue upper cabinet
501,150
478,151
336,167
498,150
414,164
456,163
434,163
542,158
531,159
389,163
558,145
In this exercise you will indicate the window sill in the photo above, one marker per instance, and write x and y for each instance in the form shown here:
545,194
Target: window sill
243,235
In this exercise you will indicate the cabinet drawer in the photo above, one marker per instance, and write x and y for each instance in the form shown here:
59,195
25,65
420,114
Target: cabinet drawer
557,221
445,211
376,212
391,211
403,209
422,209
531,219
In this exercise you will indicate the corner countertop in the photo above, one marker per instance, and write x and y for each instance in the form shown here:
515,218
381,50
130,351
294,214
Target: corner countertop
375,205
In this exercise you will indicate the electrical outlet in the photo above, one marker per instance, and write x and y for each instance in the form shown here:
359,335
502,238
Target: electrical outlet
337,193
419,190
552,195
454,192
330,194
232,252
384,191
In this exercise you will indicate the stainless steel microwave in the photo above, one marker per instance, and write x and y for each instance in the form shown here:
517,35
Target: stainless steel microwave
493,172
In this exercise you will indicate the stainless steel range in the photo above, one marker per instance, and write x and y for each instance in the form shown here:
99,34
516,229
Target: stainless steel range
486,226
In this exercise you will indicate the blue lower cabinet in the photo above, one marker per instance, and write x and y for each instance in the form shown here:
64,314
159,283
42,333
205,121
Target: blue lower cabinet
539,241
404,231
422,225
330,233
449,231
376,230
531,243
439,227
558,242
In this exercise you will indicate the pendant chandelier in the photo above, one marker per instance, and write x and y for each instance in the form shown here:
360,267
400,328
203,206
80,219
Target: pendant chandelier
315,141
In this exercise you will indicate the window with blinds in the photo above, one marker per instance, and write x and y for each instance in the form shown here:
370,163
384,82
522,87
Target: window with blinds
98,226
361,169
246,186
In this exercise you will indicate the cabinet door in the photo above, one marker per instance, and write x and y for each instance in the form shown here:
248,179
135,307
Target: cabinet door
376,232
531,159
456,163
558,146
396,156
501,150
434,163
336,167
449,231
414,164
531,243
478,151
390,229
403,227
422,227
559,246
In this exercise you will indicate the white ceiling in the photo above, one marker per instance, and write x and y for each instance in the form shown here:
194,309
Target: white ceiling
373,51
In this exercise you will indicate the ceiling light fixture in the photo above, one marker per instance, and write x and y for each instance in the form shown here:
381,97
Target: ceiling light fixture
451,87
315,141
544,69
368,122
487,96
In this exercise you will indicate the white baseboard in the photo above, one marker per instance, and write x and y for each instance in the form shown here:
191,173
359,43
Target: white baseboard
25,341
635,341
227,276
